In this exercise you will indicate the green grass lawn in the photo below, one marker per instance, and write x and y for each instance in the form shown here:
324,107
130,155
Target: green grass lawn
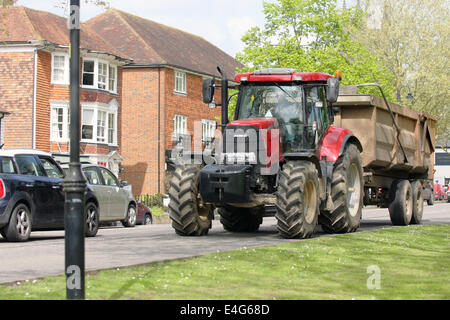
414,263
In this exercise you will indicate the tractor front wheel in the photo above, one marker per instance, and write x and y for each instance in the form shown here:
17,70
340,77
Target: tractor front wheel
298,200
190,217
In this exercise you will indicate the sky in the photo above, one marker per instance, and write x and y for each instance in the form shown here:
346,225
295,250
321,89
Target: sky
221,22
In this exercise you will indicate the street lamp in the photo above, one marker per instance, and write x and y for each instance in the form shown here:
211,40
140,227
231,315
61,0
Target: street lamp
409,96
75,183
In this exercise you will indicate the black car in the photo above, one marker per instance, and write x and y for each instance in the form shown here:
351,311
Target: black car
31,195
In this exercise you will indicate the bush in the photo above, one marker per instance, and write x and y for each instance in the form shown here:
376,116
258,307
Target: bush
151,200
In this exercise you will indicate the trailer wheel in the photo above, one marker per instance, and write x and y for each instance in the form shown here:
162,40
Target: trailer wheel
347,192
401,203
297,200
417,212
236,219
190,217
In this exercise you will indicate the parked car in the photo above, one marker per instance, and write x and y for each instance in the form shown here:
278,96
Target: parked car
439,192
144,214
31,195
448,193
115,201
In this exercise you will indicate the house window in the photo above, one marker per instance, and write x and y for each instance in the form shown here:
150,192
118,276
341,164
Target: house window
111,128
101,126
99,74
180,125
87,129
208,129
59,123
180,82
102,75
99,123
60,69
88,73
112,78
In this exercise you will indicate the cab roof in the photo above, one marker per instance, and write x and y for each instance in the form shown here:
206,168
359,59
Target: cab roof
281,74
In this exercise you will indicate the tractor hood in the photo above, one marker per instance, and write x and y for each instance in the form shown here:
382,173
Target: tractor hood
262,123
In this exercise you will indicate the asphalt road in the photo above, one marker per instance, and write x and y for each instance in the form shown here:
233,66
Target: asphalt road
116,247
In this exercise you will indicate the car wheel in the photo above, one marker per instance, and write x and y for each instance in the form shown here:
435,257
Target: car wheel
92,220
130,220
148,219
19,227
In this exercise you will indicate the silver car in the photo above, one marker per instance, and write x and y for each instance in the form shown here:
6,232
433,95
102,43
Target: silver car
115,200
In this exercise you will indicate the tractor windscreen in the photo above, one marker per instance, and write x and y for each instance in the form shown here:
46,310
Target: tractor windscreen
283,102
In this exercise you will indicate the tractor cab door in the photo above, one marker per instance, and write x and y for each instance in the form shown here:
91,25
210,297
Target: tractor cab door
316,114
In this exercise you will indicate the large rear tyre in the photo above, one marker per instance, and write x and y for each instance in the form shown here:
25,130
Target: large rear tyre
417,193
190,217
401,203
236,219
347,192
298,200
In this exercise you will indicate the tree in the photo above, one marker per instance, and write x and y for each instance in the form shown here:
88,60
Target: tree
313,36
411,37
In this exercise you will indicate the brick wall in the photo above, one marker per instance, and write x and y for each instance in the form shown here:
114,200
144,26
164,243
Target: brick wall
190,105
16,97
139,138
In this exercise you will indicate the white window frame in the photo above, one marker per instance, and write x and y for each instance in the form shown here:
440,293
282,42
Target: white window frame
111,109
97,83
179,125
180,82
65,130
114,67
66,70
103,85
208,129
94,85
93,124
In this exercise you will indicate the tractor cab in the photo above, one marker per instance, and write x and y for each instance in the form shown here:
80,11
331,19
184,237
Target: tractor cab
298,102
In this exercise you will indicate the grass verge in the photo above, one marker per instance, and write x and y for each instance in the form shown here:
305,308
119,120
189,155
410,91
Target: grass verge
413,261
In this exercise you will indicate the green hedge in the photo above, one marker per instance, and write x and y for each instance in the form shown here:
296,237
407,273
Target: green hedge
151,200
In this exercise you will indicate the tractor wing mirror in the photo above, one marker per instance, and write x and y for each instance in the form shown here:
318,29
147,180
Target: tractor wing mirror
208,90
333,90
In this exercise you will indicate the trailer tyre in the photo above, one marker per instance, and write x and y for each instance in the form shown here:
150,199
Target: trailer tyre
417,212
347,192
401,203
190,217
236,219
298,200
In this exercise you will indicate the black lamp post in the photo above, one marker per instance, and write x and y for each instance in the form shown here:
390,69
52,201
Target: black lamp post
409,96
75,184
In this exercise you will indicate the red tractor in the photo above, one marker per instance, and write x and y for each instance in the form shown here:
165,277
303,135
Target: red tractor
281,150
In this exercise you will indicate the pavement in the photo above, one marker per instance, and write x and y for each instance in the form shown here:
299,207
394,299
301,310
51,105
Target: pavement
117,247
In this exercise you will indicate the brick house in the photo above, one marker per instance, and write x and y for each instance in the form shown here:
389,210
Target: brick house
34,88
162,92
140,92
